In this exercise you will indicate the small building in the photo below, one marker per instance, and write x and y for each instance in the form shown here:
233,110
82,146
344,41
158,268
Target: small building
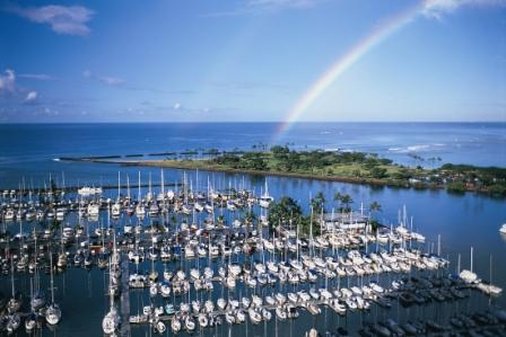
349,220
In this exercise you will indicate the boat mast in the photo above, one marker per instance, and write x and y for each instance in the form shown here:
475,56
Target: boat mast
150,194
63,181
52,278
163,183
119,185
128,187
490,271
472,259
12,278
297,240
311,242
139,192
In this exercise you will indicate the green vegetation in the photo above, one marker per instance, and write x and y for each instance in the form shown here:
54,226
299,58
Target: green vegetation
343,199
288,213
456,187
317,162
352,167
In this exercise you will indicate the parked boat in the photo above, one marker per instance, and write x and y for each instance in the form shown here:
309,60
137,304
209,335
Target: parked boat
53,312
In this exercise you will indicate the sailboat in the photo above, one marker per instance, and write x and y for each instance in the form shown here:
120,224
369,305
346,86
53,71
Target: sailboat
153,205
469,276
14,303
112,320
31,319
128,200
53,312
140,210
175,325
116,208
265,200
160,197
13,322
38,299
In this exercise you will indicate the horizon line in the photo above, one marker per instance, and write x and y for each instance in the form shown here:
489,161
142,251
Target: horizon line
245,122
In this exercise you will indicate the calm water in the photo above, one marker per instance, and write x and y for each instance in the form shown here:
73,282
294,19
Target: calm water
462,221
27,150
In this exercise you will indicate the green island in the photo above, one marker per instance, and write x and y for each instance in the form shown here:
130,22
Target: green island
343,166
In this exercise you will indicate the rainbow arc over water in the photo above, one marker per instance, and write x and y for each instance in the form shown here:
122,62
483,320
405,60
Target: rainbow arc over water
344,62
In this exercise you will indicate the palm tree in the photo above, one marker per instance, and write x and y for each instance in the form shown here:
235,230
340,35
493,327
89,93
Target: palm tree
375,207
249,217
318,202
346,200
283,211
337,197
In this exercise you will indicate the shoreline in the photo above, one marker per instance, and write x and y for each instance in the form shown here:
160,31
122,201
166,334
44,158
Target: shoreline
361,168
202,164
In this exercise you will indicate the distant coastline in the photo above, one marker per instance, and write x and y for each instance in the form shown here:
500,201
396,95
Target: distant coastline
348,167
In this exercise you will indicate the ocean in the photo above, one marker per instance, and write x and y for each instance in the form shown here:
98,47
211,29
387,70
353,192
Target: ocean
27,150
27,154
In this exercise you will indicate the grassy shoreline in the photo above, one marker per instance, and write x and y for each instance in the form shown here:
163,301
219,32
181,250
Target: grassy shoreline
456,179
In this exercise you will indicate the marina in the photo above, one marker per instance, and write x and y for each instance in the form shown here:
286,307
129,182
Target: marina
180,260
253,168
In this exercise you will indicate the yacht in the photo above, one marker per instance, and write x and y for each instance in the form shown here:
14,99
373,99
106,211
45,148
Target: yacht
111,321
30,322
13,322
175,325
89,191
116,210
265,200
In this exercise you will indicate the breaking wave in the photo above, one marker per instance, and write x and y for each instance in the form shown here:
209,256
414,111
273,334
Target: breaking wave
417,148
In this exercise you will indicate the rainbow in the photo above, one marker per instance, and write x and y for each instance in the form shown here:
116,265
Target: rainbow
343,63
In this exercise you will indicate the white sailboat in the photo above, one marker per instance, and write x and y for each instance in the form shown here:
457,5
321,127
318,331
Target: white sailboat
14,303
140,211
53,312
38,299
266,199
31,319
112,320
116,208
469,276
13,322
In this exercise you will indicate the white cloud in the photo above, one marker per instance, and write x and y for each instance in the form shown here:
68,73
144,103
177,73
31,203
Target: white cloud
437,8
176,106
46,111
7,81
107,80
40,77
112,81
276,4
70,20
31,97
266,6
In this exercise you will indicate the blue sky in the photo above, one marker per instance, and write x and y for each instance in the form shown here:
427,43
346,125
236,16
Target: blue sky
251,60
